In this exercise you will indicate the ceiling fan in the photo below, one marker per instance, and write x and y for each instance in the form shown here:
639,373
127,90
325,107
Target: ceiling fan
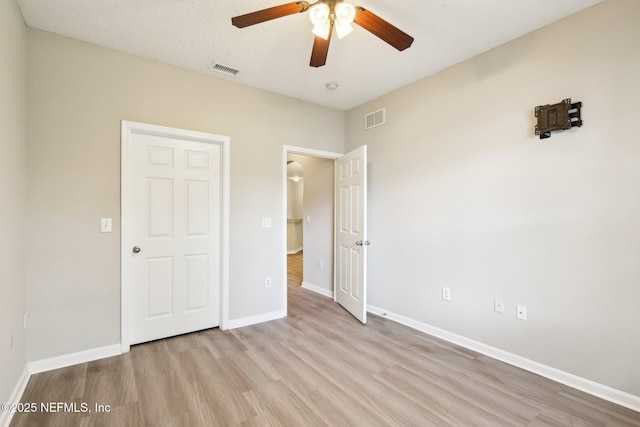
325,15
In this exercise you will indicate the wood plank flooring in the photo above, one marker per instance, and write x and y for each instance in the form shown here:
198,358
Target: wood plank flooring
317,367
294,269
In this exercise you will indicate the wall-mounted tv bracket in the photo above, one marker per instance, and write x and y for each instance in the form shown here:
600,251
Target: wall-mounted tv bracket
561,116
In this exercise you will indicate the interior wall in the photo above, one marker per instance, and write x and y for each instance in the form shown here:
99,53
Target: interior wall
296,198
78,94
462,194
318,232
13,186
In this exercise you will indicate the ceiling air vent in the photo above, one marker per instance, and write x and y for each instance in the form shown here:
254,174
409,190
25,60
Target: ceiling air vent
376,118
223,69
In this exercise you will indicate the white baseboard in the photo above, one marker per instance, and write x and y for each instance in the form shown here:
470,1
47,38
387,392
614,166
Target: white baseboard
252,320
317,289
295,251
16,395
74,358
591,387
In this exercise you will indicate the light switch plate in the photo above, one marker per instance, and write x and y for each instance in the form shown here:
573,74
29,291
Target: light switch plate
106,225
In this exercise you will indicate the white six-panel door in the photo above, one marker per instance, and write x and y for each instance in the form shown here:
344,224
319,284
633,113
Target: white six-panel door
351,229
175,236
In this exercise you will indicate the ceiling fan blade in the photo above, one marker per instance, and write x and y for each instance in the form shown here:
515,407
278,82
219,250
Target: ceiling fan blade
382,29
320,49
269,14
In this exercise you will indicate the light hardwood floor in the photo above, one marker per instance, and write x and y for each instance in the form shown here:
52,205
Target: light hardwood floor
317,367
294,269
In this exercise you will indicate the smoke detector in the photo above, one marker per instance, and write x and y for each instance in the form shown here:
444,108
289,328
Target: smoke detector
332,85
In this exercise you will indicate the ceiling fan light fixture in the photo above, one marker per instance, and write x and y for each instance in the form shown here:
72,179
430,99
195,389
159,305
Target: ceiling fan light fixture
344,16
319,16
345,13
322,30
326,14
342,29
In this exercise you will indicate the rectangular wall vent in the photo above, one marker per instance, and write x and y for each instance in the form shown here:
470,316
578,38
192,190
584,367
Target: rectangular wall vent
376,118
223,69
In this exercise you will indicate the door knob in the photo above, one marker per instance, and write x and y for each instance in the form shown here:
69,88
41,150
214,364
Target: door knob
136,249
361,243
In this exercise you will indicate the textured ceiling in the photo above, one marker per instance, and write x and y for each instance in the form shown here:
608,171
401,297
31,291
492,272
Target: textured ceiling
274,55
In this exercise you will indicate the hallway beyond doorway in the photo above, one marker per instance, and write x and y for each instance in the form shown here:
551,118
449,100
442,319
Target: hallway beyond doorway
294,269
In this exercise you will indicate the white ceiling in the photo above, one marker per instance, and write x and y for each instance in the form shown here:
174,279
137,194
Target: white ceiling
274,55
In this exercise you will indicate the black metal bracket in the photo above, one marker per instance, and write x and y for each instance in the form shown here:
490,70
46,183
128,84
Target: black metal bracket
561,116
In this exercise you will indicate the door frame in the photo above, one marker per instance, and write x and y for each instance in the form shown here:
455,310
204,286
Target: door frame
286,150
128,128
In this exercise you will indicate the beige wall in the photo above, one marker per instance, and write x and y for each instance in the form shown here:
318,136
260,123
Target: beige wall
13,183
462,194
78,93
295,193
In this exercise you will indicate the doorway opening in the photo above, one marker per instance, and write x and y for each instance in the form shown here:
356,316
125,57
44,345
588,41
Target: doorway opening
295,212
308,213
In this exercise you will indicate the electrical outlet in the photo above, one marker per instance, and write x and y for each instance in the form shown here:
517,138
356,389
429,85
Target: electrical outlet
521,312
498,305
267,282
446,294
266,223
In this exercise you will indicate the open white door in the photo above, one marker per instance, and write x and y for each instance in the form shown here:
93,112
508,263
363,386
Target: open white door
351,232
